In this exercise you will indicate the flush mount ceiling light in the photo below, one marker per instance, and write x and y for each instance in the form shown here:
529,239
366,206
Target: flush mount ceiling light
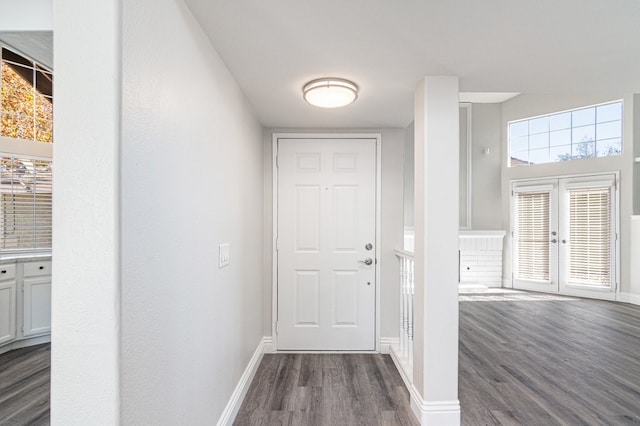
330,92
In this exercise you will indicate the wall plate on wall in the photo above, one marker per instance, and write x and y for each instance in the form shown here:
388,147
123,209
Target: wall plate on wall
224,254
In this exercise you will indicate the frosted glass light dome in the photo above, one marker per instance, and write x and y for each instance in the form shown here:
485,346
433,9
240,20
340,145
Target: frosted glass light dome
330,92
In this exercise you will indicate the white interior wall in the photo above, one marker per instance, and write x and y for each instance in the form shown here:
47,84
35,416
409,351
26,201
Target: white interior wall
392,222
409,160
486,166
636,154
191,179
524,106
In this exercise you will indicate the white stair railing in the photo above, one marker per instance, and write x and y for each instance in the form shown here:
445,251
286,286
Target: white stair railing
404,349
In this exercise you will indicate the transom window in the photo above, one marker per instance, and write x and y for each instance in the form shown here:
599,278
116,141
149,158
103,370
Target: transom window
26,101
594,131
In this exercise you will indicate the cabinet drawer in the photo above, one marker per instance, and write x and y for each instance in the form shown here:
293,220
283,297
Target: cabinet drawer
7,272
35,269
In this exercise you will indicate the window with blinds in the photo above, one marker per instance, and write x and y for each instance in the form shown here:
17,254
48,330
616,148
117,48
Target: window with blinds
590,236
532,228
25,206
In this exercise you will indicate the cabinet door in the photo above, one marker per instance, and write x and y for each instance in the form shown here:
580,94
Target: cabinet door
37,306
7,311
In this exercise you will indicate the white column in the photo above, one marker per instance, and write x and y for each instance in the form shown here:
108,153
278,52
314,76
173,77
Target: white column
86,238
435,373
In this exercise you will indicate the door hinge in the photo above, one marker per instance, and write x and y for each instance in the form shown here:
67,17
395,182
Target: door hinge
277,162
277,327
277,243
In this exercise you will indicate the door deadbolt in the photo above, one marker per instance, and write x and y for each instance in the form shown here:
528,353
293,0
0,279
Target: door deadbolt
368,246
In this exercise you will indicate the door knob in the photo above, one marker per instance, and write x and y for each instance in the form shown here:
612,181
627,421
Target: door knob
368,261
554,241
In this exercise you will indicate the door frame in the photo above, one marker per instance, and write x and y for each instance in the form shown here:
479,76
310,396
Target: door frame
613,294
274,258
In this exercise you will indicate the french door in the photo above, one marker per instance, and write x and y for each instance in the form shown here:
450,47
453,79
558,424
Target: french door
565,235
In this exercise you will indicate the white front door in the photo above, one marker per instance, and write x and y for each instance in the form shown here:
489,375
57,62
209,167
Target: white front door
326,239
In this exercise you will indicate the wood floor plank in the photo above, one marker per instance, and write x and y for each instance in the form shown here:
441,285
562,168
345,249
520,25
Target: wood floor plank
328,389
527,358
24,386
524,359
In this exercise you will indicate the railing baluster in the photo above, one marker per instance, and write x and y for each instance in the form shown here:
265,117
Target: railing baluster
407,286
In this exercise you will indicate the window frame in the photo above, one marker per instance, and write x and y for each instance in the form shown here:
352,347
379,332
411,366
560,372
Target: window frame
33,249
26,149
36,67
548,133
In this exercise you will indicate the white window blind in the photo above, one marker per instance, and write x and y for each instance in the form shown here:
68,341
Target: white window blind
532,233
590,236
25,205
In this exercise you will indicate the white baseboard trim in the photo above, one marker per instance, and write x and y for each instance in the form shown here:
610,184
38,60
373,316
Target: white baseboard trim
231,410
428,412
407,376
18,344
628,298
507,283
436,412
386,343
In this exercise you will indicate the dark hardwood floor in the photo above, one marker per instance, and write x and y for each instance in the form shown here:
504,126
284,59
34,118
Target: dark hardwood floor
326,389
525,359
24,386
534,359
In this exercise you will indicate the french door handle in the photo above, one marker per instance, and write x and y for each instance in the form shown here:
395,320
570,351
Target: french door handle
368,261
554,241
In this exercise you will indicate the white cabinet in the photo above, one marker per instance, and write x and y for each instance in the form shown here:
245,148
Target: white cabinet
25,303
36,302
7,303
634,284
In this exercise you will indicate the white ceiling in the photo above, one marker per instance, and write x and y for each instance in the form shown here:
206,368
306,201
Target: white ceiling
385,46
496,47
37,45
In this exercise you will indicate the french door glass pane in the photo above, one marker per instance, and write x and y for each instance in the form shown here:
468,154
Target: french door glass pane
532,226
590,237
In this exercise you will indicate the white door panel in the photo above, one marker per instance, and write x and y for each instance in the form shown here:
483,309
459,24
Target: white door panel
326,217
587,243
535,236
